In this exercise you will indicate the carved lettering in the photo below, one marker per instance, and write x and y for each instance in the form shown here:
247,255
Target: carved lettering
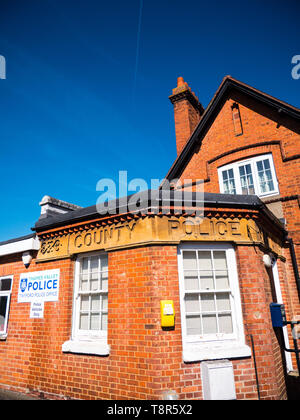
221,228
88,239
188,227
130,227
77,243
173,224
235,228
204,227
98,236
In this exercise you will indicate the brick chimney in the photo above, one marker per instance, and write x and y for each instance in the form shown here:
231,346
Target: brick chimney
187,112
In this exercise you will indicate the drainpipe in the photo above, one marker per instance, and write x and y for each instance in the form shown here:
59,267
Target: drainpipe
294,262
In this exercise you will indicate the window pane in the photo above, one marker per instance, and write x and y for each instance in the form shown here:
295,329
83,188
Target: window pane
209,324
192,303
207,302
191,280
222,280
189,260
3,305
104,322
94,281
95,321
269,174
206,280
84,284
228,182
104,281
270,185
220,260
5,284
94,264
85,303
223,302
84,322
259,166
246,179
95,303
205,260
104,302
248,169
225,324
84,266
193,325
104,263
265,176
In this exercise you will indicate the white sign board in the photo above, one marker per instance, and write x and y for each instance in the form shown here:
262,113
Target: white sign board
39,286
37,310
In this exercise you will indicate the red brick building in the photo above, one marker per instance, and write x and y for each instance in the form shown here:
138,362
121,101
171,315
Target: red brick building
84,299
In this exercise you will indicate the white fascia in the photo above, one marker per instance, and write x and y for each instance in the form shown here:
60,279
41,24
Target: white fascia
30,244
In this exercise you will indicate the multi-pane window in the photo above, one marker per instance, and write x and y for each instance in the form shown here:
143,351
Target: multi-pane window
265,178
251,176
207,293
210,302
246,178
228,182
92,295
5,292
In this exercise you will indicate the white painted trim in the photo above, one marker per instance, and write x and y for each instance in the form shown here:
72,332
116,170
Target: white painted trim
229,351
20,246
98,348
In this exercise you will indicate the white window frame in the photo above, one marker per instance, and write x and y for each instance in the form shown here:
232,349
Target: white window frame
85,341
253,163
215,346
6,293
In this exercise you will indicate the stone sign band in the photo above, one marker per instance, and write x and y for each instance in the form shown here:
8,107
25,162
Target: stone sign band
147,230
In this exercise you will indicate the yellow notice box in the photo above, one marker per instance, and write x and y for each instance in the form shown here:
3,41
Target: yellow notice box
167,313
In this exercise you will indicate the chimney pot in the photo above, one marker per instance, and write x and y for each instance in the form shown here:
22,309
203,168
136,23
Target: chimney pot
180,81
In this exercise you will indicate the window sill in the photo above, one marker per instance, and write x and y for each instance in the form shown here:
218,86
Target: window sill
3,337
198,352
98,348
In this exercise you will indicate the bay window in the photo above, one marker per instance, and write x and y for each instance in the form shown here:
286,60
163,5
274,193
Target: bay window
251,176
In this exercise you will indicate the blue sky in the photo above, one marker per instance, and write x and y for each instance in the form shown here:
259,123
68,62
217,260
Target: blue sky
87,86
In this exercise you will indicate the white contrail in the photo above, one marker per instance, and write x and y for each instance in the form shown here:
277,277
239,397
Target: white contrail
137,49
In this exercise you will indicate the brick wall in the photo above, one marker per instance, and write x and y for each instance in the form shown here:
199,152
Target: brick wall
144,360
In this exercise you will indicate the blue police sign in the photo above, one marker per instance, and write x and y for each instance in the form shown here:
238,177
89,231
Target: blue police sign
39,286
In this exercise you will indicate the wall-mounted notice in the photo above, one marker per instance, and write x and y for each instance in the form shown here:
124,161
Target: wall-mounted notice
39,286
37,310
